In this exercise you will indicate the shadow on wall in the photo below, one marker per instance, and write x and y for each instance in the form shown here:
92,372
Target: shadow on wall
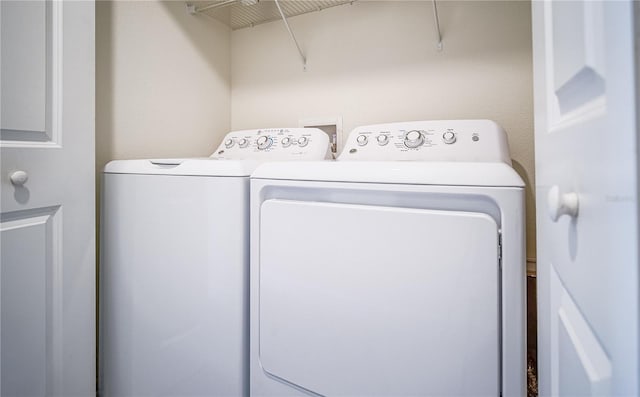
103,128
530,205
104,101
104,87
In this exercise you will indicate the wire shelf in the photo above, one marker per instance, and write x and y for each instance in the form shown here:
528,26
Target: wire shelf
239,14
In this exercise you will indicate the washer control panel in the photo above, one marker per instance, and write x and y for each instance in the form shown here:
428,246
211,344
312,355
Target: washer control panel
275,144
438,140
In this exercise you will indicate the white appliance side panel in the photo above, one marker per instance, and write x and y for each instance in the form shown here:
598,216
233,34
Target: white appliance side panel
173,286
374,300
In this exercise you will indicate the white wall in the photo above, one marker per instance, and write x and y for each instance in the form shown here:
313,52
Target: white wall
376,61
162,81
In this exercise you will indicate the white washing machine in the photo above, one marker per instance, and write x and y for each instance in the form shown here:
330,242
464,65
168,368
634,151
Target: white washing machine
397,270
174,269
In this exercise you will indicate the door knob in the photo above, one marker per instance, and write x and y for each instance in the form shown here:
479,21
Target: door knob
18,178
559,204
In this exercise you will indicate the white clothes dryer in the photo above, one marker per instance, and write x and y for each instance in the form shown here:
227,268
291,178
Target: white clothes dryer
174,269
397,270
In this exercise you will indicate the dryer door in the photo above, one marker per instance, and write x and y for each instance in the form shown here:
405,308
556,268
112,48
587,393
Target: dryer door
371,300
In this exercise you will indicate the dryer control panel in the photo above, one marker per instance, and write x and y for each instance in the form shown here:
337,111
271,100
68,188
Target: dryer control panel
439,140
275,144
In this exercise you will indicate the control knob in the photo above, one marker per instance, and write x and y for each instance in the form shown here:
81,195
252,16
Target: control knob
383,139
362,140
264,142
449,137
303,141
413,139
229,143
286,141
243,143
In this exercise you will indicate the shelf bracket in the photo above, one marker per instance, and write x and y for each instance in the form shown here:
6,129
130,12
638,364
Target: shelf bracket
437,21
293,37
192,9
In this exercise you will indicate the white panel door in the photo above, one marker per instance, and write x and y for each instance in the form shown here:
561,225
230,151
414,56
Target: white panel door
363,300
47,230
586,190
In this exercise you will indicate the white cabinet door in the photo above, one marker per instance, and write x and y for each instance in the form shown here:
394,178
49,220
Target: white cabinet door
47,230
586,190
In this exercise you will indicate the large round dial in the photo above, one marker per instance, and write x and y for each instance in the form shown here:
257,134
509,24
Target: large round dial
413,139
228,143
263,142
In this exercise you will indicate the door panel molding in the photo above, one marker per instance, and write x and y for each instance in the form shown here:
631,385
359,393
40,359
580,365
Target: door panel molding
582,365
34,277
576,84
51,136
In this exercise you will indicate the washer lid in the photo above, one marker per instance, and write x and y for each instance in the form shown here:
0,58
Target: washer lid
204,166
399,172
